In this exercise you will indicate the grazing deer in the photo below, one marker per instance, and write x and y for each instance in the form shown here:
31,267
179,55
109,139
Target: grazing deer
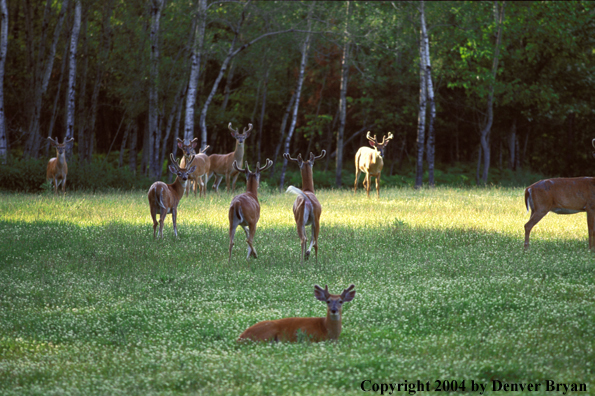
315,329
164,198
306,208
245,209
221,164
370,162
201,161
57,167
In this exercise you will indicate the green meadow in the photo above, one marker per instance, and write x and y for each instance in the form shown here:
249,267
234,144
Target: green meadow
91,304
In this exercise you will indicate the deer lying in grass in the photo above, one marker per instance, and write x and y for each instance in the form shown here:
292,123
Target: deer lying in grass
201,161
370,162
306,208
164,198
57,167
315,329
561,196
221,164
244,210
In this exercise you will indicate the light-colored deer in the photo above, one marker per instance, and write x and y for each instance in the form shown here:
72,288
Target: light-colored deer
164,198
57,167
314,329
244,210
201,161
369,161
561,196
221,164
306,208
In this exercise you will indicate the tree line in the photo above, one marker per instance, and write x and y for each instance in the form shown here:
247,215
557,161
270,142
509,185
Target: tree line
504,84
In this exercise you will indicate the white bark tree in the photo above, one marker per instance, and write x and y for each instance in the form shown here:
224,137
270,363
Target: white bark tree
154,133
70,106
343,98
421,118
429,87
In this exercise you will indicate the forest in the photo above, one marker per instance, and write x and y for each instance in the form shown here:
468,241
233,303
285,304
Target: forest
481,86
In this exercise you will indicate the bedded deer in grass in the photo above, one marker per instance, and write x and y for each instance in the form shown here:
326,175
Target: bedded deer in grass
244,210
306,208
201,161
57,168
221,164
164,198
369,161
314,329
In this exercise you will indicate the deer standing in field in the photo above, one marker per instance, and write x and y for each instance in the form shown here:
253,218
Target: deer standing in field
164,198
244,210
222,164
306,208
369,161
57,167
315,329
561,196
201,161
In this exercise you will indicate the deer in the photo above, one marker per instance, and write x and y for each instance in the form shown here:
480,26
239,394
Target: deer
306,208
222,164
244,209
201,161
164,198
57,168
314,329
370,161
561,196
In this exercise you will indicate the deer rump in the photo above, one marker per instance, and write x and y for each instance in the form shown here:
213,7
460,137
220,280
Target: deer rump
308,201
561,195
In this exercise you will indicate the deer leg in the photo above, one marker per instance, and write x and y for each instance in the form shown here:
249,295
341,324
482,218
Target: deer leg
250,233
174,217
367,182
590,226
216,183
533,220
232,233
155,223
356,177
162,215
315,232
235,178
64,185
55,185
378,185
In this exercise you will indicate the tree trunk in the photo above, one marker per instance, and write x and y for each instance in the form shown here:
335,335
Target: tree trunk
82,113
421,119
282,132
227,89
132,147
154,133
430,147
343,99
262,113
199,37
70,107
123,145
56,105
298,90
3,50
478,165
178,103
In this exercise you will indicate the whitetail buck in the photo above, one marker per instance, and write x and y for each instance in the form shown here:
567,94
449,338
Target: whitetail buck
164,198
561,196
201,161
306,208
313,329
57,167
244,210
369,161
221,164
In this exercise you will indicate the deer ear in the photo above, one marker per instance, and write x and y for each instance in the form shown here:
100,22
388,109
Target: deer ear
348,293
172,169
180,145
371,143
194,143
192,169
319,293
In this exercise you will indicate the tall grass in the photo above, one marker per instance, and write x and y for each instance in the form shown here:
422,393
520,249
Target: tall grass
91,304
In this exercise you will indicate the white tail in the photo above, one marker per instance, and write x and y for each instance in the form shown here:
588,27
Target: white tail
244,210
314,329
57,169
306,208
164,198
370,162
222,164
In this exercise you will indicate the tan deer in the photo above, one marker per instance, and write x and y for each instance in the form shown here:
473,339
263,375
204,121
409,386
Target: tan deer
244,210
306,208
313,329
369,161
201,161
164,198
221,164
561,196
57,167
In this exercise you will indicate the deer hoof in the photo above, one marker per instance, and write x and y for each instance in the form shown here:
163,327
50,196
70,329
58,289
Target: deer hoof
307,256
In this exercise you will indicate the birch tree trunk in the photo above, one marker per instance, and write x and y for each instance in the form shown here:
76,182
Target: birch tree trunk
430,145
3,50
298,91
343,99
154,133
70,107
262,113
55,108
82,113
199,37
485,132
282,132
421,119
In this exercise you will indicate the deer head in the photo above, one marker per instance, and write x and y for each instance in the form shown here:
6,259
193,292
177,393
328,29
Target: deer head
240,137
379,146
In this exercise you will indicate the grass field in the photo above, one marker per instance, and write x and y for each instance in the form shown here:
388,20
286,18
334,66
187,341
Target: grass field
91,304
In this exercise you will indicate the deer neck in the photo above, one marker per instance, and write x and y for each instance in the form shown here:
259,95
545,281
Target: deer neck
178,187
252,186
61,159
333,325
238,154
307,178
